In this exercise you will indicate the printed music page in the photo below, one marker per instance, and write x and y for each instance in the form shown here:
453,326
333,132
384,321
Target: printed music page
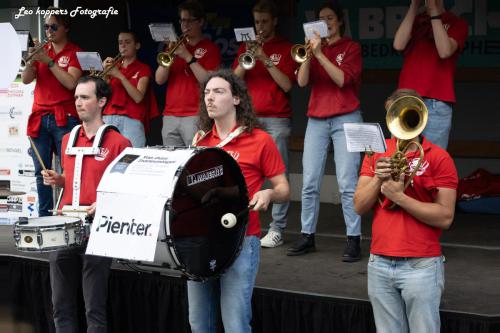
364,137
90,61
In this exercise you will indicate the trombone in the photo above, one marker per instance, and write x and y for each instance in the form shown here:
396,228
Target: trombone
301,52
166,59
25,61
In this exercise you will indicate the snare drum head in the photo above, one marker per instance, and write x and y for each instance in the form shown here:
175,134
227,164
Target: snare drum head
210,185
51,221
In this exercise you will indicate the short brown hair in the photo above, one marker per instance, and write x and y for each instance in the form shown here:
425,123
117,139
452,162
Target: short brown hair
194,8
62,19
266,6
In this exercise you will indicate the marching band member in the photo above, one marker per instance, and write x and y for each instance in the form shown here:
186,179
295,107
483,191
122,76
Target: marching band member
405,269
268,84
334,73
132,103
80,178
193,59
431,43
228,118
56,70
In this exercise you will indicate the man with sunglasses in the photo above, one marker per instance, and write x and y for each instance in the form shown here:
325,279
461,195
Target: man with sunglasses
192,62
56,70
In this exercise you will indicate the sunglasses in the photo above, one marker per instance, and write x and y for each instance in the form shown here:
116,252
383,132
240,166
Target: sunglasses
53,26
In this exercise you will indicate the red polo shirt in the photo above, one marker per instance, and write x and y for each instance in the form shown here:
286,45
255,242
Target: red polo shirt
394,231
122,104
93,166
327,99
183,90
423,70
268,99
258,159
51,97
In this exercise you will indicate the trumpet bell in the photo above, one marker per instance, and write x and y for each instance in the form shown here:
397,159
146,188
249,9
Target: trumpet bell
164,59
406,117
299,53
246,61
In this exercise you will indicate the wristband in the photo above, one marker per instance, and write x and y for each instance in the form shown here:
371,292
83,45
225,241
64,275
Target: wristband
192,61
51,63
436,17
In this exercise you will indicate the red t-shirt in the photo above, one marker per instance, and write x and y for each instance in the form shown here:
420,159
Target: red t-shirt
93,166
327,99
423,70
394,231
258,158
121,103
50,96
183,90
268,99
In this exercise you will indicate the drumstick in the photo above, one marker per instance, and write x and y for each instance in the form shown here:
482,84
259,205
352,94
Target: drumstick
37,154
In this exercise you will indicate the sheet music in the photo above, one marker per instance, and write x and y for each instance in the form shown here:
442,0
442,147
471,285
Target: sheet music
244,34
364,137
318,26
90,61
161,32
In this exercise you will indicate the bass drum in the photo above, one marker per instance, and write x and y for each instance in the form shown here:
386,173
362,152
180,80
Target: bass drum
194,237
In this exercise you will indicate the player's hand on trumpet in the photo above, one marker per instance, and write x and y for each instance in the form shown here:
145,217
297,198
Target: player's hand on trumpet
383,168
114,72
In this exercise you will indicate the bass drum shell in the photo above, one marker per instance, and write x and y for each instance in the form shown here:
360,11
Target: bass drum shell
192,240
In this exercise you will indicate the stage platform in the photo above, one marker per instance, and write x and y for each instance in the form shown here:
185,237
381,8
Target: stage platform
316,292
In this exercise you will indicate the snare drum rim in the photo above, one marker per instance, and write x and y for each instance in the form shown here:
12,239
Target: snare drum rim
47,249
69,225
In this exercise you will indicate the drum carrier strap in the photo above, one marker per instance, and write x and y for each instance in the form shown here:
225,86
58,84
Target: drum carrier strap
80,152
201,134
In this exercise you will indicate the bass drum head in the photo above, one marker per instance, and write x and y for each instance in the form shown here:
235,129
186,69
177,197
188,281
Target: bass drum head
210,185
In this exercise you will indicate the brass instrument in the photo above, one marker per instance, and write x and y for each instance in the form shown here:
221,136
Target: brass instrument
300,52
406,118
116,60
247,59
166,59
24,61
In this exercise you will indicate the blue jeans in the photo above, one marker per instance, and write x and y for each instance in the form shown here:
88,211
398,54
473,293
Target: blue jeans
232,292
319,133
438,125
279,129
130,128
178,131
405,294
47,143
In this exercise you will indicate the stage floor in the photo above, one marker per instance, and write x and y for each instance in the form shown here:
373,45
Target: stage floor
471,247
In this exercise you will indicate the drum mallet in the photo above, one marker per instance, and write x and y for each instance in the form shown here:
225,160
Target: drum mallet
229,220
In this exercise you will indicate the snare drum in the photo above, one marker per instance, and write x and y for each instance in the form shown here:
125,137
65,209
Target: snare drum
49,233
193,239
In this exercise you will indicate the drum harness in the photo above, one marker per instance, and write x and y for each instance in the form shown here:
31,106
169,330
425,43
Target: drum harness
79,153
201,134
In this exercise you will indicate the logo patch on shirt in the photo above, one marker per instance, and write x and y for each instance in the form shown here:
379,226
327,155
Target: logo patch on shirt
199,52
340,58
135,75
63,61
446,26
275,58
234,154
101,156
422,169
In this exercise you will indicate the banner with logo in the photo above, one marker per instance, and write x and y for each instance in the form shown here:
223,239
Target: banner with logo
17,172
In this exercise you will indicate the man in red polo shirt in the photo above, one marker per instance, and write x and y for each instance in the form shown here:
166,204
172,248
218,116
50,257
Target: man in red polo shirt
431,43
70,266
56,70
227,115
405,270
268,84
192,62
132,104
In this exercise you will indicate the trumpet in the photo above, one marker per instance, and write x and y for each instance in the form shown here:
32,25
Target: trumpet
300,52
166,59
247,59
25,61
116,60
